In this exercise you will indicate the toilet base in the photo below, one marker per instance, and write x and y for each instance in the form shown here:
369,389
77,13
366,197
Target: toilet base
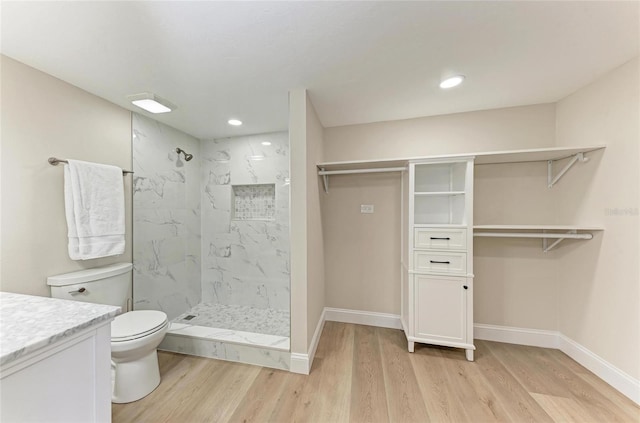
134,380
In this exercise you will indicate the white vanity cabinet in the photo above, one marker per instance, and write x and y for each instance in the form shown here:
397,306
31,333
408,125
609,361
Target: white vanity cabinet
68,381
55,360
437,253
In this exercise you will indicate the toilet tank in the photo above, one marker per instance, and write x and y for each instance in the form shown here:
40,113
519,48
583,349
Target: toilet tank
101,285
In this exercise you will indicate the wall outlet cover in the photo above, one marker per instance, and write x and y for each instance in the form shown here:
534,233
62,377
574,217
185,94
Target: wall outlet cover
366,208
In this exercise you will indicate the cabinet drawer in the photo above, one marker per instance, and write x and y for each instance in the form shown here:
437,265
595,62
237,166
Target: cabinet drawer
440,239
440,262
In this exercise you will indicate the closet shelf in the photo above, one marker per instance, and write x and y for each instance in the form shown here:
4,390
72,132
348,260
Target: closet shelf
561,233
439,225
537,227
548,155
437,193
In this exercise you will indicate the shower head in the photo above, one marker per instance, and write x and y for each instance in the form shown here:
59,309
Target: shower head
187,156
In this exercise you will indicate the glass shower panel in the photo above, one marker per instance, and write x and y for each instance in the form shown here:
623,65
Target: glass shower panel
166,219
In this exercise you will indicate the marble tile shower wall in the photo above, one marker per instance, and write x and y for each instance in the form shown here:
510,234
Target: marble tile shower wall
245,261
166,214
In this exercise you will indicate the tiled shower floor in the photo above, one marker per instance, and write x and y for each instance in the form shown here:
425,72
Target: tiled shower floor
235,324
243,318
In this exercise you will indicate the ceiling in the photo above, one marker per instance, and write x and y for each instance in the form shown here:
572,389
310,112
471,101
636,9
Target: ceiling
361,61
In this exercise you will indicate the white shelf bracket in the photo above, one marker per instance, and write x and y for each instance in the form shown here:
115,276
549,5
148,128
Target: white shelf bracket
545,242
551,180
325,180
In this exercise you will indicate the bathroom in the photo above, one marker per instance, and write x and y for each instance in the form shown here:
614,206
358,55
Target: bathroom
224,220
174,209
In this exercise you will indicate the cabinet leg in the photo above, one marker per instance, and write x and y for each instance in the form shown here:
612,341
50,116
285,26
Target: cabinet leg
469,354
411,346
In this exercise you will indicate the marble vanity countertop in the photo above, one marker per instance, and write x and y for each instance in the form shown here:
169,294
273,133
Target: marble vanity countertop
28,323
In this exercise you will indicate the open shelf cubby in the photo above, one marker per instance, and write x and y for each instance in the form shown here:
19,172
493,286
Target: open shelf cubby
440,177
439,209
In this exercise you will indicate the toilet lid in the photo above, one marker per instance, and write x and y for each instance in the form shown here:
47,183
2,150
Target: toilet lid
136,324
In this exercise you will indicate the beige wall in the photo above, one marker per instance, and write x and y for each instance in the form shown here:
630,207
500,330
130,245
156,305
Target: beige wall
489,130
1,83
362,251
307,259
599,280
41,117
514,282
298,169
315,241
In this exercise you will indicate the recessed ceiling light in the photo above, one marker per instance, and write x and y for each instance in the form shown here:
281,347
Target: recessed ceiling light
152,103
234,122
452,81
265,143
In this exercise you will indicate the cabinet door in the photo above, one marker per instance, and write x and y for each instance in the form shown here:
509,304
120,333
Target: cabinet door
440,308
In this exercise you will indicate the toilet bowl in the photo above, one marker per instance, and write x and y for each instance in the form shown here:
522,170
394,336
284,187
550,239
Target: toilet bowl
135,336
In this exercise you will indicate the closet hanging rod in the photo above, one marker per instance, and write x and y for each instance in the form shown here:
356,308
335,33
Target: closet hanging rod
325,173
322,172
53,161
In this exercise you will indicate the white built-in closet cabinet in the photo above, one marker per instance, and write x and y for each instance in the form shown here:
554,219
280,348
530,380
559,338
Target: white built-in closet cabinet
437,235
437,253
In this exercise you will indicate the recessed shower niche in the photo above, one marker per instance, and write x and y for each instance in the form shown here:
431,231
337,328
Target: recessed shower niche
253,202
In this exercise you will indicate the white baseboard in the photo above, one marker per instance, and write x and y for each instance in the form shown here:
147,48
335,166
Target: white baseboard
606,371
316,339
301,363
519,336
369,318
615,377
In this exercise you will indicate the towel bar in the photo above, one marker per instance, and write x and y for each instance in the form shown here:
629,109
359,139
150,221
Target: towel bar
55,162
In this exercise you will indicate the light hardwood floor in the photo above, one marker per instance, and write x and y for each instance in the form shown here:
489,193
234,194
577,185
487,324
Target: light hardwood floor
365,374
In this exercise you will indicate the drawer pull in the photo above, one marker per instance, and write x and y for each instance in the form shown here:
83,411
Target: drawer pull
465,286
445,238
440,262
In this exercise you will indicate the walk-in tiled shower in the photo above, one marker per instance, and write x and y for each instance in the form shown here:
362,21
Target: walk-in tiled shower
211,241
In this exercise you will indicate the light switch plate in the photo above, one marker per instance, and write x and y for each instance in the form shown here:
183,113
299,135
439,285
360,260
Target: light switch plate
366,208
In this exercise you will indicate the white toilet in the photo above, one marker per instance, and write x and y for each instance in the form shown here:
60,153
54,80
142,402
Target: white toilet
135,335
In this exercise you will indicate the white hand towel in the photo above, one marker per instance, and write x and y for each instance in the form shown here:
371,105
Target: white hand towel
94,205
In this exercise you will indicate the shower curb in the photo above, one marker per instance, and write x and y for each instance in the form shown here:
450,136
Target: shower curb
229,351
